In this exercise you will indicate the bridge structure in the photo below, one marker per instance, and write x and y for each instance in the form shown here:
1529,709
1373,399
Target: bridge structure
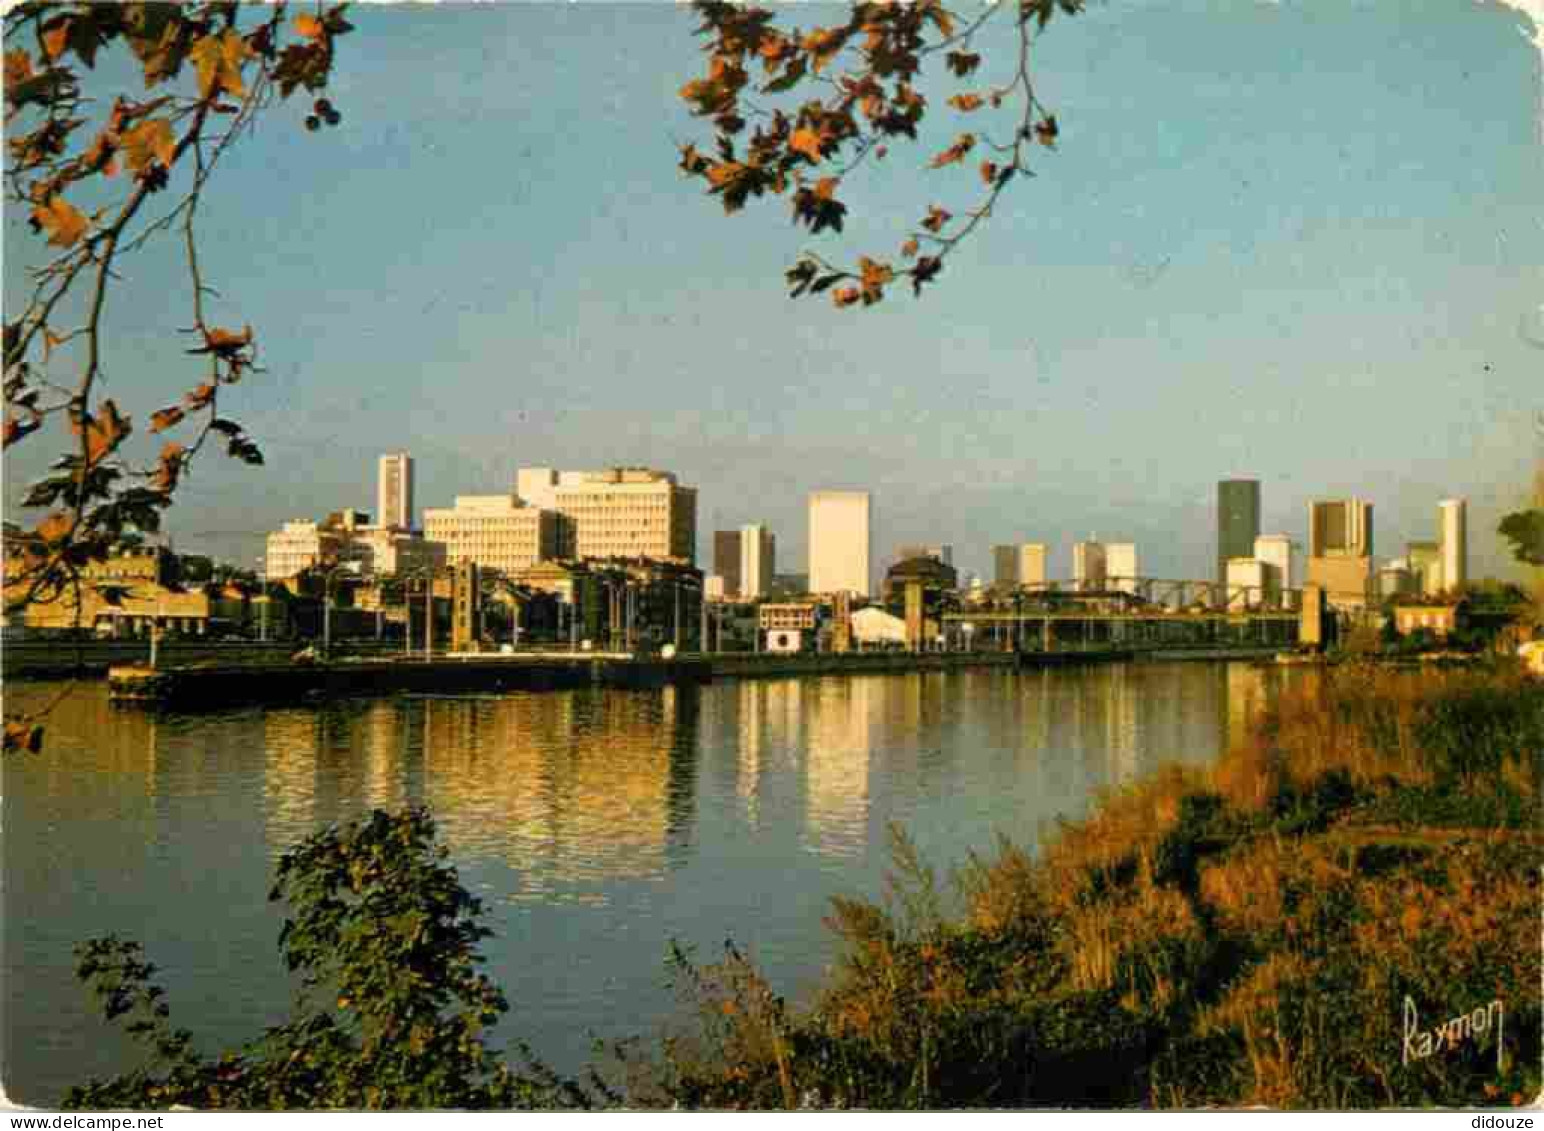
1128,614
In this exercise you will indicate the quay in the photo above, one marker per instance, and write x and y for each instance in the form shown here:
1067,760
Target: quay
213,684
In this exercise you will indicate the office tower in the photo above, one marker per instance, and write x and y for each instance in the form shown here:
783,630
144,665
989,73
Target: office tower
494,531
1120,566
1340,528
726,561
1032,565
1238,521
1424,560
1005,565
839,542
1088,566
629,512
1453,530
1276,551
394,491
757,552
1340,548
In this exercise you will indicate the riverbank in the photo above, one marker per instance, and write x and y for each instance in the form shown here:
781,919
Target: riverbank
1287,928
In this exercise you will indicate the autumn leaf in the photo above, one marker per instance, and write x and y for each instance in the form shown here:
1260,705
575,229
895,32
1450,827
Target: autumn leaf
168,469
63,222
55,528
103,432
909,248
936,218
965,103
151,140
989,172
56,37
165,418
16,428
845,296
309,26
807,142
941,18
18,67
956,152
874,274
1046,130
219,60
825,187
962,63
226,343
200,397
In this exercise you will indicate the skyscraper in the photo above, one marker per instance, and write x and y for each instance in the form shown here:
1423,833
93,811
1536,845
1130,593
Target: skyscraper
1120,566
1005,565
840,537
757,553
1424,560
1238,521
1032,556
1453,530
726,560
1340,550
394,491
1340,528
1088,562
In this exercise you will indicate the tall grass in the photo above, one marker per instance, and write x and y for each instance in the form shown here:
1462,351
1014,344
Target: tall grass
1249,933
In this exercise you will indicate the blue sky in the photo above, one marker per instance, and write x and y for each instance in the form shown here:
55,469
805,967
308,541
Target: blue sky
1300,242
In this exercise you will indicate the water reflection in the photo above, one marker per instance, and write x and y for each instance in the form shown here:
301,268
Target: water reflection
597,824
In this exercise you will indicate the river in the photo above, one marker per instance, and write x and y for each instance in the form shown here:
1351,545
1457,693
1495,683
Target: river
596,825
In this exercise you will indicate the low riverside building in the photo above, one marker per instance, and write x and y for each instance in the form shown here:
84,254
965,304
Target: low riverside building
127,593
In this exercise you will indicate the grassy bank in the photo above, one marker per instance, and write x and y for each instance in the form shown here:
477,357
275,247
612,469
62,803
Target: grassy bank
1284,928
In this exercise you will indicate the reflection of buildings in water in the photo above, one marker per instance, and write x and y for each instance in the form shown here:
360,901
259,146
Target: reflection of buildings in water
750,739
1123,731
384,764
571,786
291,743
1243,702
99,763
836,762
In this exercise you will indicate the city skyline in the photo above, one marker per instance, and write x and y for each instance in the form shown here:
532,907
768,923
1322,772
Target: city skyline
1270,273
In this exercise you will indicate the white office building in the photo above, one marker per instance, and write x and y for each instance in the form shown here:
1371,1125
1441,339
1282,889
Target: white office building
1453,535
840,542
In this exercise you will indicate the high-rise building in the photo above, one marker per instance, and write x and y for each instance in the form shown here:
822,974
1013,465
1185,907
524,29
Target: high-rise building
1340,528
394,491
757,558
1032,565
1120,566
1424,560
629,512
1340,548
495,531
840,539
1088,566
1453,530
1276,551
726,561
1251,583
1005,565
1238,521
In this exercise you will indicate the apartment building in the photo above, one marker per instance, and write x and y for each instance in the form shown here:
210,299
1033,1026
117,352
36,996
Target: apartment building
494,531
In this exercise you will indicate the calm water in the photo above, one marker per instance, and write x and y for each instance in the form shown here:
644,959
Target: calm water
596,825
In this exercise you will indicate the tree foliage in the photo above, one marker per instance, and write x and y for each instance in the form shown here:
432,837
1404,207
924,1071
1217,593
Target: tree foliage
1525,530
101,174
393,1006
832,99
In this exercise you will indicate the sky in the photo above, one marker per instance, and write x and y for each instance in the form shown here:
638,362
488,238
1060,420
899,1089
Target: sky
1297,242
